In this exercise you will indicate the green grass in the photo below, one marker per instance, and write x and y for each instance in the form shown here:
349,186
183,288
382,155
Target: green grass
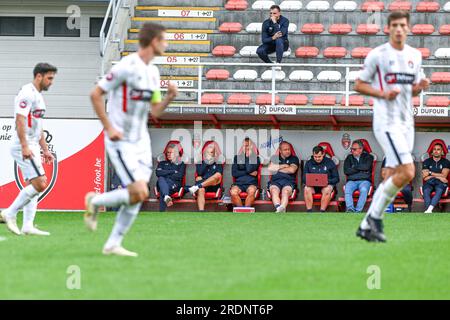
230,256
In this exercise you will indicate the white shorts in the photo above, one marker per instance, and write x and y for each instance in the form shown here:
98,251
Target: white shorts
397,145
132,161
30,168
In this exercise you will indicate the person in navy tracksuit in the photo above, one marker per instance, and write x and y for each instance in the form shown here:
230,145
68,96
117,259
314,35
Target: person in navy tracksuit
320,164
245,171
274,35
170,175
209,176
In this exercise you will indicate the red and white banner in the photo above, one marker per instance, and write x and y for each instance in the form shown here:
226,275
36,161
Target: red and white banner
79,150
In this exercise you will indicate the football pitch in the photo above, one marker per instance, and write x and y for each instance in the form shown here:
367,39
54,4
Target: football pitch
230,256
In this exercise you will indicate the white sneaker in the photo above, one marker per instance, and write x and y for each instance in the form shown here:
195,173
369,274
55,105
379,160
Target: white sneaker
168,201
33,231
90,216
11,223
193,189
429,210
280,209
119,251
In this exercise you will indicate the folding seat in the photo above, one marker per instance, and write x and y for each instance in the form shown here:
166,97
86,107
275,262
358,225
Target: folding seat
267,75
239,98
312,28
286,53
334,52
445,29
296,100
224,51
367,29
218,194
324,100
345,6
400,6
372,6
427,6
416,101
236,5
307,52
178,194
329,152
340,28
294,192
446,7
248,51
353,75
290,5
440,77
217,74
212,98
317,6
301,75
360,52
254,27
230,27
329,76
438,101
243,194
442,53
422,29
426,53
266,99
262,4
353,101
245,75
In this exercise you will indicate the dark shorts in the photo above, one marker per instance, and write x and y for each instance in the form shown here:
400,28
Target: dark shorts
243,187
318,189
212,188
281,184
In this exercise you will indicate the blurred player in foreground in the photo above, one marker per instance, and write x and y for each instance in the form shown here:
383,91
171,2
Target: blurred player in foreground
133,84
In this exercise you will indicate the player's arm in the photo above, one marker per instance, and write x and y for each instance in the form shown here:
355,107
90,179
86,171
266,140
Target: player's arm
442,175
159,106
290,169
48,156
21,133
99,107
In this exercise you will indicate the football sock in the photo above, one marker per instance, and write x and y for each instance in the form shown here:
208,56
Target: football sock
125,218
112,198
24,196
29,212
364,224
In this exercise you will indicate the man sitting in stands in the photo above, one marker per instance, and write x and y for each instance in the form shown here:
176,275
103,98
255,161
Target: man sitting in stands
434,172
170,175
320,164
209,176
284,169
245,171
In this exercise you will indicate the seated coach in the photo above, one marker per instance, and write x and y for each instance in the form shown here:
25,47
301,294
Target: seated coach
170,173
245,171
283,168
319,164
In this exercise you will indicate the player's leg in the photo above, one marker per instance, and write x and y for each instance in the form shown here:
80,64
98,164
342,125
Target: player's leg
201,199
214,180
309,192
286,192
275,195
250,199
235,198
439,188
326,198
29,210
427,188
350,188
164,193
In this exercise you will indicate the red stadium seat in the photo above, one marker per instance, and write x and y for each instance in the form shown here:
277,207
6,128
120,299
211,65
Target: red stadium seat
335,52
329,152
422,29
236,5
445,29
426,53
324,100
217,74
224,51
230,27
312,28
243,194
367,29
212,98
400,6
372,6
218,194
179,194
266,99
360,52
440,77
427,6
353,101
307,52
416,101
386,30
295,192
239,98
296,100
438,101
340,28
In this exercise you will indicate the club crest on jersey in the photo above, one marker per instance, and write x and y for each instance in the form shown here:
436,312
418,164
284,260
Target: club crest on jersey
23,104
400,78
110,76
141,95
411,64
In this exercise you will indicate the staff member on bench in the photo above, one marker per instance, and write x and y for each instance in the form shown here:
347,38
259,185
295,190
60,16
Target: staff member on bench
320,164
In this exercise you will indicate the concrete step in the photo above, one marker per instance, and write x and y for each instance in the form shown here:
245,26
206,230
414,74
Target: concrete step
187,11
191,3
176,23
176,46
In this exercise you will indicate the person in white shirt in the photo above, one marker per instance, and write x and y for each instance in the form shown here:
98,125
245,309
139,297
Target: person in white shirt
29,111
133,85
392,75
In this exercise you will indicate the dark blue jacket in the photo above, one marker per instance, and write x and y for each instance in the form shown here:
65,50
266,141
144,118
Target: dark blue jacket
242,167
326,166
358,170
172,171
435,166
269,29
206,171
281,176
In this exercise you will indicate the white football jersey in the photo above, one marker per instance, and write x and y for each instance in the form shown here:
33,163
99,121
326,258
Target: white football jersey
132,86
387,68
30,104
